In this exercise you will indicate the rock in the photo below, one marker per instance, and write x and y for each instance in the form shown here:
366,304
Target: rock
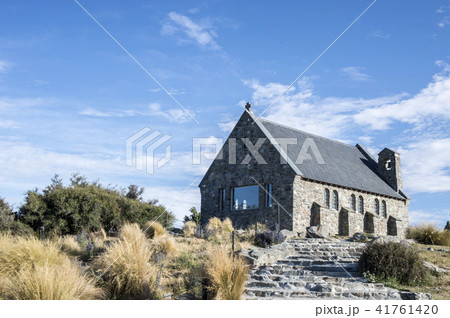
430,249
186,296
314,232
359,237
434,268
391,239
266,256
288,234
415,296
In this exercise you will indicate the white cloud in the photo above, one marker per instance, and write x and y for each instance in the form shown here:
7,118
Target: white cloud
300,108
434,100
175,199
355,73
5,66
426,166
432,216
227,126
379,34
202,35
8,124
154,109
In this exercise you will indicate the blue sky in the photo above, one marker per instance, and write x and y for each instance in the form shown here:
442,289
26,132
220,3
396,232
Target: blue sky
70,96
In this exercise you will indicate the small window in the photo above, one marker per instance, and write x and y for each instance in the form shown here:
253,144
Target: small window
268,195
353,202
377,206
383,209
335,200
361,205
245,198
326,198
221,199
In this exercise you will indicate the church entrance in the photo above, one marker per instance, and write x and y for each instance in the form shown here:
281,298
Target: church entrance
368,223
343,223
392,226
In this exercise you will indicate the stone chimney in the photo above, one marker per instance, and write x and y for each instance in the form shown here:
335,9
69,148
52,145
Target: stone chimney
389,168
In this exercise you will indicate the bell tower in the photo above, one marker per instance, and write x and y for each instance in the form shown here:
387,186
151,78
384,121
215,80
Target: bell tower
389,168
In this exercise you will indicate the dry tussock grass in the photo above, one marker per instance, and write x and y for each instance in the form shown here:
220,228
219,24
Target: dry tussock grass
227,226
164,245
70,245
126,266
189,228
227,274
426,233
33,269
155,229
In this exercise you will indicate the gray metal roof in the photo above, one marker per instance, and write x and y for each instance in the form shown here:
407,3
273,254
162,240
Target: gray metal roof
344,165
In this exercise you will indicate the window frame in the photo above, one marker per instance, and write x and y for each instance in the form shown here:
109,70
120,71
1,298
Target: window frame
222,197
384,209
326,197
361,204
377,206
268,195
232,197
353,202
335,200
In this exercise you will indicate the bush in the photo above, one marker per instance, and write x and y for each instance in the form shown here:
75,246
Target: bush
33,269
126,267
226,274
86,206
155,229
189,228
394,262
429,234
269,238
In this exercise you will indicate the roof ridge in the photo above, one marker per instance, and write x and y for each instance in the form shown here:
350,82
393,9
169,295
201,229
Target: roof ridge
305,132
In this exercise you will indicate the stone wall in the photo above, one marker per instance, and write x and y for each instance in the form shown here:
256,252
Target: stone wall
309,199
226,175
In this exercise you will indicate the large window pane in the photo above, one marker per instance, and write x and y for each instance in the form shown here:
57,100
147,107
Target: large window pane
245,198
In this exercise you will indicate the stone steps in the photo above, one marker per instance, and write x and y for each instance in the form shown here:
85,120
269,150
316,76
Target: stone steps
318,268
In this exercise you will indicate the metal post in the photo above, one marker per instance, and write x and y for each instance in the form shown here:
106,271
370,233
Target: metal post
42,233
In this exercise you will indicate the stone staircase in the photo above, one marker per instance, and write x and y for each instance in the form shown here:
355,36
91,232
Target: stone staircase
319,269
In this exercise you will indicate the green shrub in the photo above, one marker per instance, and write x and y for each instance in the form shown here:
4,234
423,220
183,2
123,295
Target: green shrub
429,234
394,262
268,238
88,206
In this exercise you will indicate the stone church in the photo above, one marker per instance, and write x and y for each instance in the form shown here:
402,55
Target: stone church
290,179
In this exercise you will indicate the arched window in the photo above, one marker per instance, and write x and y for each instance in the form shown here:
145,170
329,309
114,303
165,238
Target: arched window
383,209
335,200
361,205
326,198
377,206
353,202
